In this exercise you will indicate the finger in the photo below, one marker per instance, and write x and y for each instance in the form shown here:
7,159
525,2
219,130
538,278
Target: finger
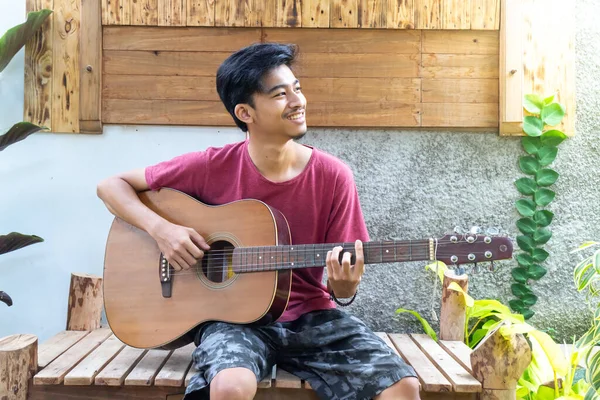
181,261
191,248
329,269
347,257
199,240
359,266
174,263
187,258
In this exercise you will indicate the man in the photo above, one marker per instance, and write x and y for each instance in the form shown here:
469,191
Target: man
334,351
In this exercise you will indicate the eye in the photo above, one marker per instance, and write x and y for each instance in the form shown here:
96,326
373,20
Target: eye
298,89
280,94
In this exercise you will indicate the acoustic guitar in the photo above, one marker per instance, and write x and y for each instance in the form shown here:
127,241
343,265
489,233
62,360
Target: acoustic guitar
244,278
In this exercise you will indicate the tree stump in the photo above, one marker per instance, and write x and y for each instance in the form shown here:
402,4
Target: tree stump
18,363
498,363
454,309
85,303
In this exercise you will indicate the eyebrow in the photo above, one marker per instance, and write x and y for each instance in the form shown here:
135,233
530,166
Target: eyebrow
281,86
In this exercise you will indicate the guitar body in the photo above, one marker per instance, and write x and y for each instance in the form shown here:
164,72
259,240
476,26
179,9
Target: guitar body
137,309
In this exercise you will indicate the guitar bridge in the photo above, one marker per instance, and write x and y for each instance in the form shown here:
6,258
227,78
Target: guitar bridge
165,276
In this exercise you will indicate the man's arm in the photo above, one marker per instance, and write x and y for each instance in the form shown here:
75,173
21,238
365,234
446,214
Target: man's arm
182,246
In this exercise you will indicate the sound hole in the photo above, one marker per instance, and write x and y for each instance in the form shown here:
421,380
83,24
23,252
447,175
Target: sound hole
216,263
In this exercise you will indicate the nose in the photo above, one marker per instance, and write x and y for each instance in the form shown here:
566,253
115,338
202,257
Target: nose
296,100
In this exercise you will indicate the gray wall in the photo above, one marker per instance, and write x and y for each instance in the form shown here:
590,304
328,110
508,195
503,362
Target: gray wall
413,185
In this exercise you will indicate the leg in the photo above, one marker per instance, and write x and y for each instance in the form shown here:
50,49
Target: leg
405,389
230,359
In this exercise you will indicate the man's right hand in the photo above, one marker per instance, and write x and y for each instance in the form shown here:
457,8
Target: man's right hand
183,247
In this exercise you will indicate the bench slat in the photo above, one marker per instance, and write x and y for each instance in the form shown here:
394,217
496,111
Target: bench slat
115,372
286,380
193,371
56,345
459,351
54,373
266,383
85,372
144,373
431,378
173,373
461,380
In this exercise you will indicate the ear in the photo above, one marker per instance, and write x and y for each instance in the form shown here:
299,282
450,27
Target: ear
244,113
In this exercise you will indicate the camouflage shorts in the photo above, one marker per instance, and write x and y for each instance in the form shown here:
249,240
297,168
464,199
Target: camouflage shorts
334,351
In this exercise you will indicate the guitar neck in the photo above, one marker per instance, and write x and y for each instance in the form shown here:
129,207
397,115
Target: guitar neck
274,258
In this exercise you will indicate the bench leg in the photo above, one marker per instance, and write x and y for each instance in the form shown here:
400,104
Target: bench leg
18,363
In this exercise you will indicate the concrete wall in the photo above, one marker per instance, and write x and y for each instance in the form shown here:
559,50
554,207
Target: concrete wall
412,184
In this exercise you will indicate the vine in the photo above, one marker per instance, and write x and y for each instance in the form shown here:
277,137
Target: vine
541,146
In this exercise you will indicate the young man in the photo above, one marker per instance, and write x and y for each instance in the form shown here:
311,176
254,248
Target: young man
334,351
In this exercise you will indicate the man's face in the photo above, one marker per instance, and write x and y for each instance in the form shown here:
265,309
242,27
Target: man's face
280,110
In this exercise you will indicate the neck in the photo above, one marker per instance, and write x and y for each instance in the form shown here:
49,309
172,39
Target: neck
277,161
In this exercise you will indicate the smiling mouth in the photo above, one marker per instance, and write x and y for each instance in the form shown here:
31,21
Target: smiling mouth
296,116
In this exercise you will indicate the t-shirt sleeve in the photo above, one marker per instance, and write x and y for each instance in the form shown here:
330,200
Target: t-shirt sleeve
346,221
186,173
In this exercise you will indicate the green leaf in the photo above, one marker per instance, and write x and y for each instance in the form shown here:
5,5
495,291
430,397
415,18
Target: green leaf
526,186
468,299
529,165
552,114
529,300
546,155
531,144
583,274
526,207
17,133
520,275
546,177
535,271
525,243
542,236
552,137
526,225
585,245
527,313
477,336
548,100
516,305
532,126
438,266
596,261
539,255
543,217
15,38
524,259
14,241
533,103
543,197
520,290
424,323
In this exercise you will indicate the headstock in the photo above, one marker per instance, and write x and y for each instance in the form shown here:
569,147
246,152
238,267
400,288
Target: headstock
456,249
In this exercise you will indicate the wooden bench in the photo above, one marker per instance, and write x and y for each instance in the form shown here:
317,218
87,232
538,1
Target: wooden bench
91,363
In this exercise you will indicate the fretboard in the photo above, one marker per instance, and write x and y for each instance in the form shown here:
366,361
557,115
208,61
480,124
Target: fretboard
273,258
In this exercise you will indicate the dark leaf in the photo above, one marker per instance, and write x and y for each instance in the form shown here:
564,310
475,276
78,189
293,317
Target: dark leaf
529,165
546,177
524,259
531,144
14,241
525,243
520,290
526,225
542,236
520,275
543,217
540,255
17,133
526,207
526,186
15,38
535,271
546,155
516,305
527,313
5,298
543,197
552,137
529,300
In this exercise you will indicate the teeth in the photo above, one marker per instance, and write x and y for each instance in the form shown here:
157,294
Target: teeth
297,116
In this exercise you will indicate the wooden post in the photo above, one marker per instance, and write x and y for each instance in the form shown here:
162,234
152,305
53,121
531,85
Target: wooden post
18,363
454,308
498,363
85,302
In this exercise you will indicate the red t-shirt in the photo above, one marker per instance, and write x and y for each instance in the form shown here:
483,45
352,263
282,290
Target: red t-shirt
321,204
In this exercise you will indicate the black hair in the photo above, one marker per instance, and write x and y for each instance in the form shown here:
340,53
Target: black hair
241,75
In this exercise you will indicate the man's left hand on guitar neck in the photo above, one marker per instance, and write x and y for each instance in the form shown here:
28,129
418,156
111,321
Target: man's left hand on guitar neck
343,279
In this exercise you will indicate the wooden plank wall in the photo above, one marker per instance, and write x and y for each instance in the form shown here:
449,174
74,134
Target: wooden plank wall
352,78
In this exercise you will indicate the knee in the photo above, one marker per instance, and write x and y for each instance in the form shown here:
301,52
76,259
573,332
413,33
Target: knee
233,384
406,389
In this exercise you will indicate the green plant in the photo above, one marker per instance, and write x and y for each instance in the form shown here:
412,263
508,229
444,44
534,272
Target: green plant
10,43
541,146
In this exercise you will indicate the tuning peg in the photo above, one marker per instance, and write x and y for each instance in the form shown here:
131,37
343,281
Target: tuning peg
475,269
460,270
492,268
492,231
458,229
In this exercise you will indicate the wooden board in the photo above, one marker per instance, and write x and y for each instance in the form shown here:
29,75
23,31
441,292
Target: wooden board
267,382
315,13
427,14
154,87
459,351
115,372
192,371
382,114
145,371
200,13
172,12
343,14
400,14
144,12
178,39
461,42
485,14
56,345
455,14
85,372
54,373
361,90
90,47
460,90
372,14
37,107
430,377
229,13
162,63
459,66
463,115
286,380
288,13
115,12
461,380
174,371
511,66
340,65
66,81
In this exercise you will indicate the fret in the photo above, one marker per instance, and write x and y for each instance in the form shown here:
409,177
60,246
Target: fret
387,256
